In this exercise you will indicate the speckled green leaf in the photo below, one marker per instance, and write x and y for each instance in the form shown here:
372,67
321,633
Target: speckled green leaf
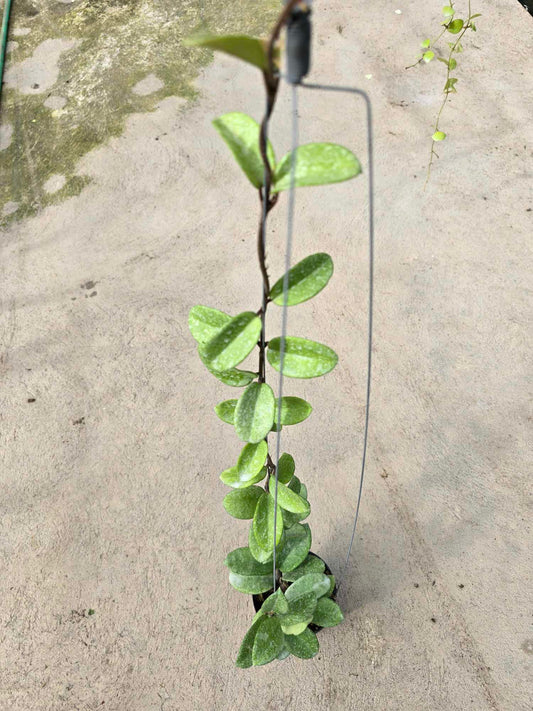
257,552
251,584
276,603
241,133
241,503
252,458
327,613
300,613
286,468
234,378
233,342
312,564
264,522
289,500
306,279
293,410
244,658
303,358
296,547
254,413
242,562
304,646
283,654
226,410
249,49
317,583
232,477
317,164
205,322
331,579
268,642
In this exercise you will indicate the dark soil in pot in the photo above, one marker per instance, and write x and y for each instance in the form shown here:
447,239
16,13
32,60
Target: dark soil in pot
258,600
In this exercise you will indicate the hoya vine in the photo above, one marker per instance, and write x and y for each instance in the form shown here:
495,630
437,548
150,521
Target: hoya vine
454,26
287,619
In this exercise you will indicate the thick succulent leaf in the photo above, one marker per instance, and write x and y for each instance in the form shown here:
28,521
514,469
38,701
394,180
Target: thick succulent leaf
276,603
264,522
312,564
205,322
251,584
286,468
316,164
303,491
295,484
296,547
244,657
327,613
288,500
233,377
232,477
230,346
306,279
242,503
241,134
258,553
268,642
293,410
242,562
303,358
331,585
252,458
249,49
301,611
283,654
226,410
254,413
317,583
304,646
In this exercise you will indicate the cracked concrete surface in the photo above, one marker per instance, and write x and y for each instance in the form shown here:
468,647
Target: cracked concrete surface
113,590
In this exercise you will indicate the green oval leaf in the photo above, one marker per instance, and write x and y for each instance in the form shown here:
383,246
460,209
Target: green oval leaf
244,657
286,468
428,56
300,614
249,49
232,477
258,553
233,342
312,564
254,413
252,458
331,585
293,410
296,547
241,503
438,136
289,500
327,613
448,11
425,44
234,378
275,603
226,410
205,322
455,26
306,279
303,358
304,645
316,164
263,524
268,642
452,64
241,134
251,584
317,583
242,562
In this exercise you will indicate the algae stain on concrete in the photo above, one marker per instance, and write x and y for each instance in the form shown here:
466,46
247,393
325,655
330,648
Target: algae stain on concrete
93,54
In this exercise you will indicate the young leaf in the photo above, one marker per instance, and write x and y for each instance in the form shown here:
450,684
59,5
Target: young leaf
226,410
205,322
242,503
448,11
452,64
312,564
478,14
327,613
268,642
428,56
257,552
296,547
306,279
251,584
242,562
425,44
241,133
455,26
438,136
304,646
254,413
288,500
249,49
316,164
275,603
450,86
263,525
300,613
252,458
233,342
234,378
302,358
244,657
232,477
286,468
317,583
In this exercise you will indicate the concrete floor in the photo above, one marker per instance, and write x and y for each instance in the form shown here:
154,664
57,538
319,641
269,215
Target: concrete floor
111,451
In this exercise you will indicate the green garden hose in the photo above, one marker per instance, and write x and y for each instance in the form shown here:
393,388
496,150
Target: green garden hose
3,42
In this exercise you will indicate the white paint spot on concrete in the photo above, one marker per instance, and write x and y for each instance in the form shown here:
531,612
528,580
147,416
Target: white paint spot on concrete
11,46
148,85
21,31
9,208
6,133
39,72
55,102
54,183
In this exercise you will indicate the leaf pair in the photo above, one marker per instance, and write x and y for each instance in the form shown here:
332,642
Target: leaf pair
293,410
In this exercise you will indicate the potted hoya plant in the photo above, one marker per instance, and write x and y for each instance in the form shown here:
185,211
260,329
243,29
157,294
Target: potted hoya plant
297,598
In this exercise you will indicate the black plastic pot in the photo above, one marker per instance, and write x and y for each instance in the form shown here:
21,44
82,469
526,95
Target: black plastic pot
259,599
